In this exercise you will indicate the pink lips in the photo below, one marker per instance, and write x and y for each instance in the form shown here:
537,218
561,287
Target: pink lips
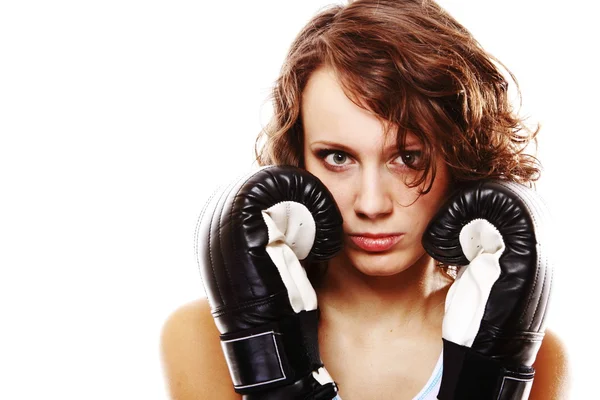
375,243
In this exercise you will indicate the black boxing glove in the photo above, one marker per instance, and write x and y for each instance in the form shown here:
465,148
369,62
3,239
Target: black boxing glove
249,240
495,310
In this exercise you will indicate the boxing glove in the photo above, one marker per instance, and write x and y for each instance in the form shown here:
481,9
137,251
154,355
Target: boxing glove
250,239
496,232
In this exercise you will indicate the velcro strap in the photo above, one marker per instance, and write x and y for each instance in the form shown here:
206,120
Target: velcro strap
469,375
255,360
273,355
515,388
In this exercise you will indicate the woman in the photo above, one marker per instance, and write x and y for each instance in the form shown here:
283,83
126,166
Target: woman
392,104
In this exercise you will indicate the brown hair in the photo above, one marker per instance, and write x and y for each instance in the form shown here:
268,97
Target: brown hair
410,63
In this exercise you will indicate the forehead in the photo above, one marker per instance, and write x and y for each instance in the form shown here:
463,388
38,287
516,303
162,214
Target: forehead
329,115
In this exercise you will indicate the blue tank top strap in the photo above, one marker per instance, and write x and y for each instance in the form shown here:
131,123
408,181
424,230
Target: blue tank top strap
431,388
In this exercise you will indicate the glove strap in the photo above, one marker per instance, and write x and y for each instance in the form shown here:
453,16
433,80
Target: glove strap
304,389
469,375
273,355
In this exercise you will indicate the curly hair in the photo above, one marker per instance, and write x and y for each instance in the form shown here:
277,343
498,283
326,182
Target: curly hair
409,62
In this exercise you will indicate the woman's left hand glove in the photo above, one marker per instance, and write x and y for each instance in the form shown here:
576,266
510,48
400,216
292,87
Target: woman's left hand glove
495,310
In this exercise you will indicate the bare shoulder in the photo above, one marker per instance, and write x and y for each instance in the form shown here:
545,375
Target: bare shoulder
193,362
552,374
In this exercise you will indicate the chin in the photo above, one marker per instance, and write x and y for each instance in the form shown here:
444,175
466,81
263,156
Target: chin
379,264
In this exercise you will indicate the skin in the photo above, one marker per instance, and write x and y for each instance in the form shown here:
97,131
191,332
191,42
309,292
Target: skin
346,147
376,307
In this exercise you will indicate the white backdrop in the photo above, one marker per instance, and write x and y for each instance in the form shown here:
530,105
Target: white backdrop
117,118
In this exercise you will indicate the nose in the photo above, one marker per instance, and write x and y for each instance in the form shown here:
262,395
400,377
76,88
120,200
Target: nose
373,197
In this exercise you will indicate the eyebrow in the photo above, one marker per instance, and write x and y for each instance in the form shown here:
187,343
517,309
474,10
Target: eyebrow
347,149
332,144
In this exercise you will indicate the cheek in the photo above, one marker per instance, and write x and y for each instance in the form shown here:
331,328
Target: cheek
428,205
341,192
310,163
422,219
334,184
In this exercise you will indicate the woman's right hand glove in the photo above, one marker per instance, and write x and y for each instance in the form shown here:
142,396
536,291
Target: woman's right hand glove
250,239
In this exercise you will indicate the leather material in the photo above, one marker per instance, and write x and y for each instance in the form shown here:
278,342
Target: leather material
243,286
513,323
469,375
306,388
514,388
247,370
275,354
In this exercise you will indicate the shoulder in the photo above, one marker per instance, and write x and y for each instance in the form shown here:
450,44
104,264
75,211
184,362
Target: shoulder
552,374
193,362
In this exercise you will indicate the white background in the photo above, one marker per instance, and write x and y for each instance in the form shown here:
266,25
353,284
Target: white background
117,118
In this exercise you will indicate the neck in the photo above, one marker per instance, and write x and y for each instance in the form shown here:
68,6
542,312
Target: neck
412,297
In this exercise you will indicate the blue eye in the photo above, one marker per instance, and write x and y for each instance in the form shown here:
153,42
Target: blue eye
333,158
337,158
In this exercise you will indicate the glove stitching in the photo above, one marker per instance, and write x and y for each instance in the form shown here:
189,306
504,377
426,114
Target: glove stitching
197,233
543,207
252,304
538,211
231,187
530,203
549,289
543,301
533,212
210,253
233,241
266,171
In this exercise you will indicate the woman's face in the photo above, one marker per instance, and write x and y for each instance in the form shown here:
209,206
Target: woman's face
346,148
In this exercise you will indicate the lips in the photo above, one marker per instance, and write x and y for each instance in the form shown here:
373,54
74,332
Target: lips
376,242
